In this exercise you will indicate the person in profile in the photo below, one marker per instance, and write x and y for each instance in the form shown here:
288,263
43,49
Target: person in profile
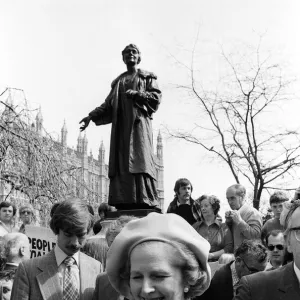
17,249
130,106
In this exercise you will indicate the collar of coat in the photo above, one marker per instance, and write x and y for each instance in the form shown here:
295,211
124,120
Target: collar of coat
142,73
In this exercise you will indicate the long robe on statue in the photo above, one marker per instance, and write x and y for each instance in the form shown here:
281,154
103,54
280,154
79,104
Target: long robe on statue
132,169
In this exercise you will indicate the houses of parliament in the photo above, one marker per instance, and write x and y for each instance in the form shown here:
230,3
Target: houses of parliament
93,171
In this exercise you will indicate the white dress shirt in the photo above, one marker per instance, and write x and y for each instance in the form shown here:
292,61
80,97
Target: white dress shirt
60,257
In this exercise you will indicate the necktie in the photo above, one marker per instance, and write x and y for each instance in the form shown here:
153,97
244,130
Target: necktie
71,291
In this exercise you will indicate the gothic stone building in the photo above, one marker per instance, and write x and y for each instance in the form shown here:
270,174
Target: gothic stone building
93,172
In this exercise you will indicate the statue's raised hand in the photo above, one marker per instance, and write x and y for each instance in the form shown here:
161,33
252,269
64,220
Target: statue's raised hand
86,122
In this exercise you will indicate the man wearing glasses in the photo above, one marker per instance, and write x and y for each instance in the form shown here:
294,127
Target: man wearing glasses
282,283
250,257
277,249
26,215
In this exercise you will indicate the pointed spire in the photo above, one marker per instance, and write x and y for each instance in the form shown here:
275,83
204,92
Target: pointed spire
39,116
64,128
79,136
159,146
159,138
102,146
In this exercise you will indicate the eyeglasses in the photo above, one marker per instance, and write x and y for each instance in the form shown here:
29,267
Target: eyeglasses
26,212
297,233
251,270
278,247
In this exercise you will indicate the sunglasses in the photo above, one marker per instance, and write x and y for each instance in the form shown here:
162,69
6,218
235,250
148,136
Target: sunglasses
25,212
251,270
278,247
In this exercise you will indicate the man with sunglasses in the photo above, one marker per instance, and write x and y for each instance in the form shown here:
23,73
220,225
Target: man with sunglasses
282,283
250,257
277,249
26,216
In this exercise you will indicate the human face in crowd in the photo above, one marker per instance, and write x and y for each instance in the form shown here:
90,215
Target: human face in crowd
6,286
206,209
69,242
276,247
248,265
235,201
184,193
277,209
154,273
131,56
6,214
26,216
293,237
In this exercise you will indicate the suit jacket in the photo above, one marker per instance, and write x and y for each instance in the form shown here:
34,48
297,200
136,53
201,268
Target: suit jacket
37,278
279,284
221,286
104,289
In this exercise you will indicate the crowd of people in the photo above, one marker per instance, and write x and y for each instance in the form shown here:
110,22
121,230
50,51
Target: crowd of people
160,256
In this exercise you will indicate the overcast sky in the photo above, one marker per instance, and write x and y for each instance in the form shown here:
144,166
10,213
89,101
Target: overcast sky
65,53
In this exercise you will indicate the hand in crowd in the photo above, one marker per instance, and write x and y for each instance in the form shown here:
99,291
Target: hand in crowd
235,216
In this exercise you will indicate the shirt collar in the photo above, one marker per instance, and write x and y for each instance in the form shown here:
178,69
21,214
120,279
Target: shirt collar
61,256
187,202
297,271
12,264
217,222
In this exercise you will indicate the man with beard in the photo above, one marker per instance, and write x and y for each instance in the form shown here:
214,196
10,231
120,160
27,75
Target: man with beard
63,273
183,204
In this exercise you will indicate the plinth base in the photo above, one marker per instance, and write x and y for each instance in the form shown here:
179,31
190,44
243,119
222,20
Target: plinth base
139,213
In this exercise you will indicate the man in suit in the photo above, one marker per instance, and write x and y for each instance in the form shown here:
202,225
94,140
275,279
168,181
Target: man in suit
250,257
17,249
244,220
63,273
282,283
277,249
104,289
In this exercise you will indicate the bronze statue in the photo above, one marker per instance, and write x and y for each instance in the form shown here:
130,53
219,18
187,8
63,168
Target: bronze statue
133,99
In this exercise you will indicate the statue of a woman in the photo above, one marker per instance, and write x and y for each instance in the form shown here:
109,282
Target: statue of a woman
133,99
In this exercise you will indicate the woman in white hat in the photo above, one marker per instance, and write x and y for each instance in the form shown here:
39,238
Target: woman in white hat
159,257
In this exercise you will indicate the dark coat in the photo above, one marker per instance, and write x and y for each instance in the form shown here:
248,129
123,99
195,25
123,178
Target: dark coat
280,284
221,287
103,289
137,146
190,213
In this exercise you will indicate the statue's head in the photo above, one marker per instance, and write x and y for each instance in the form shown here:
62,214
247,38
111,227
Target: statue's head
131,53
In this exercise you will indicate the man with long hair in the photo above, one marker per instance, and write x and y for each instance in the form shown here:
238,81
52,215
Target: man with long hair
65,272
